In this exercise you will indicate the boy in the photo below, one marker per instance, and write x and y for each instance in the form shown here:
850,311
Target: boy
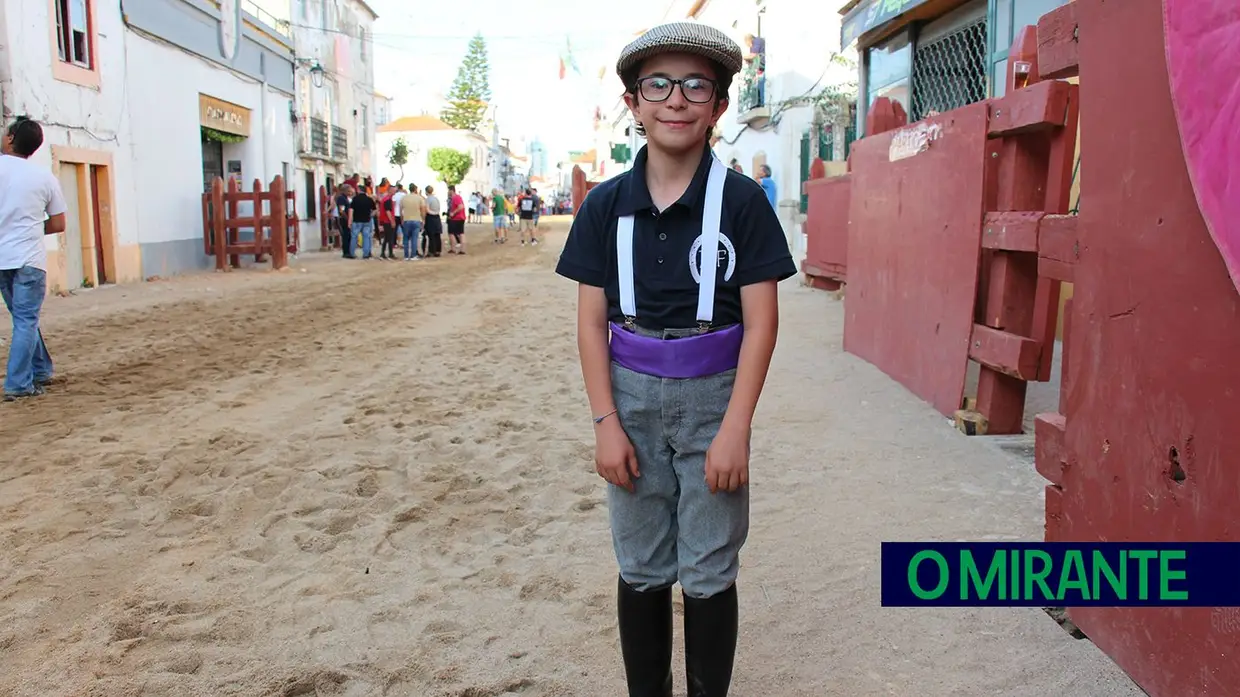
680,259
31,206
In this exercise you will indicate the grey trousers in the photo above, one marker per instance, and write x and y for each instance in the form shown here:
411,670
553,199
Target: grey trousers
671,528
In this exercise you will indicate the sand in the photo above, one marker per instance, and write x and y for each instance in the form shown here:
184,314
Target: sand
376,478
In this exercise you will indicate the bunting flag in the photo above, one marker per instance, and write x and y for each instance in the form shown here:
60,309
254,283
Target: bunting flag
567,60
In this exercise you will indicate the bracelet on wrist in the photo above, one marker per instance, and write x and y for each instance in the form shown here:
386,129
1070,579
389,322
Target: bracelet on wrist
599,419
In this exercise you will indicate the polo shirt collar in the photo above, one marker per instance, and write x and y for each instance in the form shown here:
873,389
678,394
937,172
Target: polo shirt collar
635,195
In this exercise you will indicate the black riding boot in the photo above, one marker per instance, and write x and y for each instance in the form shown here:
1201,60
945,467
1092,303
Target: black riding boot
646,640
710,643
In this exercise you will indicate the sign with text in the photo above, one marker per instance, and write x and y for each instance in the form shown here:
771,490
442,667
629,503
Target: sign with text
1060,574
870,14
223,116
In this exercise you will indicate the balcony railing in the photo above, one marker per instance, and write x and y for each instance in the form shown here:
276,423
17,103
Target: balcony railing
318,137
340,143
752,96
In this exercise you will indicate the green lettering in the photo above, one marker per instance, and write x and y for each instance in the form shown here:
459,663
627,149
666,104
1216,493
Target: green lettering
1166,575
1038,577
1103,568
1073,576
1144,556
969,576
1015,587
944,574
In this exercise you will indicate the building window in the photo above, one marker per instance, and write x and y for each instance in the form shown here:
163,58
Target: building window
1009,17
73,34
950,72
889,65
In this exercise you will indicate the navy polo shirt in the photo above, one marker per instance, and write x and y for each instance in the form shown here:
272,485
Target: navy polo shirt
752,247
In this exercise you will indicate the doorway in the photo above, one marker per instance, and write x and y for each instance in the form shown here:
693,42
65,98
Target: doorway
88,244
99,211
312,197
212,162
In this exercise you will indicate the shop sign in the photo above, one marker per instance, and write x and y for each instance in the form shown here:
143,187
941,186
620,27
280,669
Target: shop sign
871,14
223,116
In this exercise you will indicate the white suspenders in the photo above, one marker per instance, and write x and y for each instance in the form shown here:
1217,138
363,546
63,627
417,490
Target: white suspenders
711,218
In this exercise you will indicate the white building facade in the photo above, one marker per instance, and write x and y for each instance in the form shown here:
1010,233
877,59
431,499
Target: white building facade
139,111
421,135
336,101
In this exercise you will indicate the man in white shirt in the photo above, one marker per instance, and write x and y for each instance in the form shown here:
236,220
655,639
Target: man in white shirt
31,206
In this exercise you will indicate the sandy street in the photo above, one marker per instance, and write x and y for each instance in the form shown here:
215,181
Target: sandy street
367,478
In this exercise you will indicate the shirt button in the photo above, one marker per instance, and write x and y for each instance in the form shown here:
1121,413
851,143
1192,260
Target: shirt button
660,260
662,235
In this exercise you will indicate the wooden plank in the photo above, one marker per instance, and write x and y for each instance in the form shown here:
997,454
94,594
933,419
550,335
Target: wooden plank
1012,231
1007,353
1058,45
1040,107
1057,239
1056,270
1049,456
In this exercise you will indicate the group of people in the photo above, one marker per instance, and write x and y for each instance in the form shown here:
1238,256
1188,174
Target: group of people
407,217
506,210
395,214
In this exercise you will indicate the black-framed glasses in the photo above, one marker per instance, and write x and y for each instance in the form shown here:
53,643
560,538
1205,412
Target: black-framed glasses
697,90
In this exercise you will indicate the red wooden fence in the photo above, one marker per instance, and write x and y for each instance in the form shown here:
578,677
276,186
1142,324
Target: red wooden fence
273,219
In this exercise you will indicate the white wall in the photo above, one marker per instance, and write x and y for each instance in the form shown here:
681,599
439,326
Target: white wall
26,57
417,171
162,90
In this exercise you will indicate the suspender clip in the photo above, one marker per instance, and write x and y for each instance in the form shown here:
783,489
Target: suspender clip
703,327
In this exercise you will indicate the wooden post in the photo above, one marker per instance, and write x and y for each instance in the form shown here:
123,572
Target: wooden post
279,224
218,223
257,195
324,208
231,222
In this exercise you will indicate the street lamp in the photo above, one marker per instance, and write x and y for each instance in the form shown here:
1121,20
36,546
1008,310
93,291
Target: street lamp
316,74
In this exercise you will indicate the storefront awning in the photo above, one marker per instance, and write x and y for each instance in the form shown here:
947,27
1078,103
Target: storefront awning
870,14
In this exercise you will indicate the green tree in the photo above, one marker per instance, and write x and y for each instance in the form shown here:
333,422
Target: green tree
398,156
451,165
471,90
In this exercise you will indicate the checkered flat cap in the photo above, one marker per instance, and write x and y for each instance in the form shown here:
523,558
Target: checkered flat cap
682,37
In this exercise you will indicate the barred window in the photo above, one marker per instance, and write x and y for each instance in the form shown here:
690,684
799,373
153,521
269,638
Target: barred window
950,72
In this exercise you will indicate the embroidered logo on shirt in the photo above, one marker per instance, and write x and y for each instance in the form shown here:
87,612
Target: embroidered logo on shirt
727,253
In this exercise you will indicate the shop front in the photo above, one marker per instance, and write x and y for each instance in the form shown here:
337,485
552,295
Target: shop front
933,55
224,127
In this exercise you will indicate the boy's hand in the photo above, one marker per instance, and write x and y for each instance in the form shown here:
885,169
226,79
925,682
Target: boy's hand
614,457
727,459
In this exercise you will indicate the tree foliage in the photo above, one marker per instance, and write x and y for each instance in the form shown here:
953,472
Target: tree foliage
398,156
451,165
471,90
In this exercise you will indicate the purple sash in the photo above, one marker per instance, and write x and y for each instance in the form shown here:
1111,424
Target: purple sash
695,356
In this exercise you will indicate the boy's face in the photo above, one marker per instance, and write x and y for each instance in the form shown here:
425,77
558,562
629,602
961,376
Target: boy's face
677,124
6,143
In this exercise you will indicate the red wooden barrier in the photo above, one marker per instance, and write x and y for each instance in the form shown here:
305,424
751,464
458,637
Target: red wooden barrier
826,231
1144,446
272,216
913,243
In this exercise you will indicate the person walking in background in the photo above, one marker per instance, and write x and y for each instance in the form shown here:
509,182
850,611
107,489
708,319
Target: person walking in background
538,203
361,220
344,196
386,232
768,185
397,196
456,222
434,225
510,202
475,207
526,211
412,213
31,206
499,211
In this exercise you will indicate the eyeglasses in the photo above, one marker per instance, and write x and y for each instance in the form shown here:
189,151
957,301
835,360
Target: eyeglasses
696,90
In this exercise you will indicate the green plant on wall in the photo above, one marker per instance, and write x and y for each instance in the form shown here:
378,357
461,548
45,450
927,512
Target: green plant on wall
451,165
398,156
220,136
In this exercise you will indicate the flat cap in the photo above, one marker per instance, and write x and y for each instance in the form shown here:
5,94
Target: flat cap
682,37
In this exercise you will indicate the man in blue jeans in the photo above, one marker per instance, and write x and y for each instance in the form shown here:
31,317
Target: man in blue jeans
361,222
31,206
